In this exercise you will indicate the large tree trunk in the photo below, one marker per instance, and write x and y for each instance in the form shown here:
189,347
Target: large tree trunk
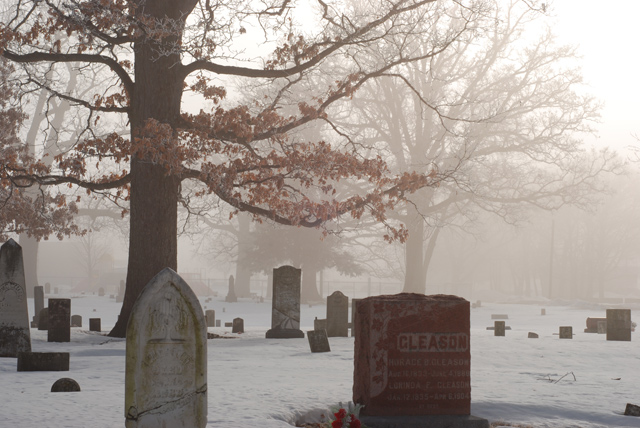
243,275
309,287
154,194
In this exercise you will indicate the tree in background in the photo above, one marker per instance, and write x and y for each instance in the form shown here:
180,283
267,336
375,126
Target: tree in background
154,51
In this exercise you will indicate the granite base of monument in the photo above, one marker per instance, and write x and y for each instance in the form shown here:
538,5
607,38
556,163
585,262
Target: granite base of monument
284,333
434,421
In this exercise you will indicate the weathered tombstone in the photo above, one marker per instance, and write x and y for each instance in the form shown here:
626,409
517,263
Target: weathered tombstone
318,341
218,323
228,324
47,288
632,410
353,315
532,335
499,316
15,335
566,332
319,324
43,319
101,292
59,320
166,357
94,324
602,327
238,325
65,384
38,303
211,317
76,320
43,362
498,328
592,324
231,294
337,315
285,312
412,361
619,324
543,311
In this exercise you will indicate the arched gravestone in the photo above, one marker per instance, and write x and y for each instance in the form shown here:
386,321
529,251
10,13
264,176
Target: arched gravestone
166,357
337,315
285,311
15,335
65,384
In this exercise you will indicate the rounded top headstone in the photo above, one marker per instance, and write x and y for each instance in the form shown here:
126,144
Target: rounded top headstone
65,384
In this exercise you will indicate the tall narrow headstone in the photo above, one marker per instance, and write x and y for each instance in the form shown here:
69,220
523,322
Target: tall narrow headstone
43,319
95,324
319,324
38,303
619,324
59,320
285,311
166,357
210,314
412,360
47,288
237,326
337,315
231,294
15,335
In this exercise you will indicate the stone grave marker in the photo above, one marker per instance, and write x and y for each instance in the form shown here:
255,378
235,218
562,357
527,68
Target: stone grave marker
412,361
15,333
94,324
353,316
166,357
210,314
101,292
566,332
43,362
532,335
59,320
231,294
43,319
319,324
38,304
543,311
619,324
285,312
237,325
218,323
318,341
47,288
592,324
76,320
65,384
337,315
632,410
498,328
602,327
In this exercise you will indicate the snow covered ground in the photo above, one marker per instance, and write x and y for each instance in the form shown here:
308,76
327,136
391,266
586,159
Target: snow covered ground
255,382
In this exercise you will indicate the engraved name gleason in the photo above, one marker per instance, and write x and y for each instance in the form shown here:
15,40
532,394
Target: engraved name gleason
433,342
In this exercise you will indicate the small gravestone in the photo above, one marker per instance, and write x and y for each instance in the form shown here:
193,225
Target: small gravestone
602,327
619,324
592,324
543,311
101,292
43,362
228,324
76,320
43,319
499,316
353,316
498,328
166,357
237,325
231,294
337,315
94,324
65,384
15,333
532,335
47,288
59,320
319,324
632,410
566,332
38,303
211,317
285,311
218,323
318,341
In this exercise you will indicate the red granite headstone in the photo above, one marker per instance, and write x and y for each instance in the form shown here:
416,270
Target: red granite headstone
412,355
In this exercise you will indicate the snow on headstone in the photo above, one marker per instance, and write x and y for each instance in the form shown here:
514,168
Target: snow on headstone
285,312
15,335
166,357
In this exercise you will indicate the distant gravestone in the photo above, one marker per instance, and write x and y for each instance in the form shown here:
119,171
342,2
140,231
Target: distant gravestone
319,324
101,292
285,311
94,324
337,315
619,324
47,288
15,335
76,320
59,320
218,323
532,335
353,315
228,324
43,319
566,332
43,362
231,294
65,384
498,328
592,324
166,357
602,327
543,311
238,325
632,410
318,341
38,303
211,317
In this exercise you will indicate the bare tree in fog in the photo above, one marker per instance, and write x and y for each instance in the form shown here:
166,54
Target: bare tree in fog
502,110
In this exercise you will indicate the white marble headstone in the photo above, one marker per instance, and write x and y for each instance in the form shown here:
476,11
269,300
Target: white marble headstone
15,335
166,363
